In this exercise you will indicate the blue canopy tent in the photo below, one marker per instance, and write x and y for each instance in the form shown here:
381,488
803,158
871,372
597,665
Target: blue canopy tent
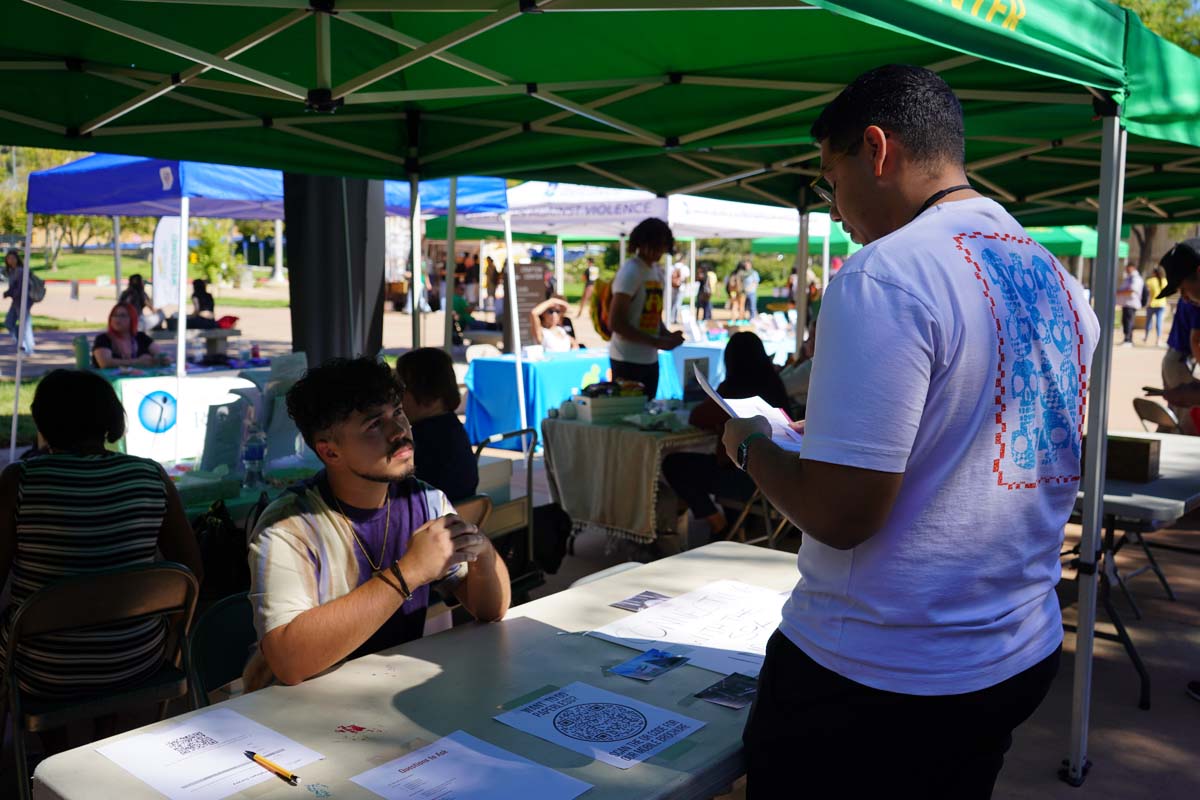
117,185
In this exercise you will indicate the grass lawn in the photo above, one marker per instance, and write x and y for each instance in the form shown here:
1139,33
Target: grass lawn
251,302
26,432
41,323
87,266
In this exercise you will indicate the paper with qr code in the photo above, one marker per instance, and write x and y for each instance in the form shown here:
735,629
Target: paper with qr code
609,727
203,757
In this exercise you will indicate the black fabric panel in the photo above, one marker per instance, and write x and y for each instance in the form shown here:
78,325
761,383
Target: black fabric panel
337,301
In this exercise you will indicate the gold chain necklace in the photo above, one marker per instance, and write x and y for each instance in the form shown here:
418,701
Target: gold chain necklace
387,525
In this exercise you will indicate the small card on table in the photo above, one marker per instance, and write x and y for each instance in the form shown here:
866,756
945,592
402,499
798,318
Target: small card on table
733,691
649,665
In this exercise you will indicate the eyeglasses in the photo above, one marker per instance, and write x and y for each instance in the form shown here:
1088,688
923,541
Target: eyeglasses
825,192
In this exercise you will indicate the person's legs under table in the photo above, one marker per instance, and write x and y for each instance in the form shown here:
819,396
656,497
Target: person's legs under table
814,733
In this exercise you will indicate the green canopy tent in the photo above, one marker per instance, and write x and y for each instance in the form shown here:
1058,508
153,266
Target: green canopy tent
381,88
839,244
1073,240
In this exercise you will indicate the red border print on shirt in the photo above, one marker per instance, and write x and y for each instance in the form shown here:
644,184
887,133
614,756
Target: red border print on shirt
1015,371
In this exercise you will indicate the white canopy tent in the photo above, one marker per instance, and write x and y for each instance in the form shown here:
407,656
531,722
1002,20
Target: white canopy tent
575,211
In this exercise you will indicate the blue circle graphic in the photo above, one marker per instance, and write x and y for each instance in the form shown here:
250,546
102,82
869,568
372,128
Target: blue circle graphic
157,412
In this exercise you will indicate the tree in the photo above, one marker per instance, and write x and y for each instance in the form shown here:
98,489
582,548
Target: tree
215,253
1177,21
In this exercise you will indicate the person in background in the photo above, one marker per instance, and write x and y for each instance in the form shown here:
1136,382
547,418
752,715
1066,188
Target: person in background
135,295
492,275
733,289
924,626
123,345
750,281
1129,296
591,274
463,309
203,304
706,284
636,316
342,564
679,277
14,269
696,477
546,326
442,452
1181,265
1156,306
51,530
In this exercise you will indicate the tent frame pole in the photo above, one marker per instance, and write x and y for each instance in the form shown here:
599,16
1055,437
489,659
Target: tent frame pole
181,323
414,222
448,281
21,323
621,251
559,268
825,258
116,223
511,312
1104,285
801,281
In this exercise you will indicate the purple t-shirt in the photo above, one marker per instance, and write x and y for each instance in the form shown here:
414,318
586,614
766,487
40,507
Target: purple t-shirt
1187,319
409,511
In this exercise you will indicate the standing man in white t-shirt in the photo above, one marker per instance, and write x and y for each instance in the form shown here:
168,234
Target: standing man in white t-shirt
941,460
635,317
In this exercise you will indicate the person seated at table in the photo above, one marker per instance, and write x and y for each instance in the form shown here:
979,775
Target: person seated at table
696,477
203,304
123,345
463,309
50,530
442,453
547,328
135,295
342,564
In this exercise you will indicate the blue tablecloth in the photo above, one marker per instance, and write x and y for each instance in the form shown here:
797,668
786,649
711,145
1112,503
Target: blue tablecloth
714,353
492,391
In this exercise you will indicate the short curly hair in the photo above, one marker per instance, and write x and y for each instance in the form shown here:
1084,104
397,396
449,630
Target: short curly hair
652,232
73,407
330,393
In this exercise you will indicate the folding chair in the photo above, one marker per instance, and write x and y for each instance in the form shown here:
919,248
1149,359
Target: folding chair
132,594
1151,412
515,515
220,644
439,615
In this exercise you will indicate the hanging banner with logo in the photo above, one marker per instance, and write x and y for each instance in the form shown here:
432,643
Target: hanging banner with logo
166,262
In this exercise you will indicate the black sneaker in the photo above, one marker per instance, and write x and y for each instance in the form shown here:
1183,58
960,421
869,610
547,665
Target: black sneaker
1193,690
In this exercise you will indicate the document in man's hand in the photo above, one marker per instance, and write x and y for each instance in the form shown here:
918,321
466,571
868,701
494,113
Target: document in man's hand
781,425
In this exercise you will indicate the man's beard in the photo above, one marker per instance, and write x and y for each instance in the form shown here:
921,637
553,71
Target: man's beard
383,477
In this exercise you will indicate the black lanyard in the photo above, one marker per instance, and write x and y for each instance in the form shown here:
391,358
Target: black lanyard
933,198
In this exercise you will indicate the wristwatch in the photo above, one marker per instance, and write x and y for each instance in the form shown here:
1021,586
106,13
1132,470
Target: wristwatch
743,451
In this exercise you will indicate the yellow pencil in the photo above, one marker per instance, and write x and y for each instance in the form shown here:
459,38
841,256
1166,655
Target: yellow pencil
290,777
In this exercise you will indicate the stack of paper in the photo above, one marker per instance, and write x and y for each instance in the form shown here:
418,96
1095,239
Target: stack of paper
781,425
722,627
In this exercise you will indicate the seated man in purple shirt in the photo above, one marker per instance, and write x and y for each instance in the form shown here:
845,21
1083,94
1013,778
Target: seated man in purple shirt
341,565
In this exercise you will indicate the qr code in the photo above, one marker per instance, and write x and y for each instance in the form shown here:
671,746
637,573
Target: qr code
186,745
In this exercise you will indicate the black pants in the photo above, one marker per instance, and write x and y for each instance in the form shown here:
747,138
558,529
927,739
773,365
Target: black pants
813,733
646,374
1128,315
696,476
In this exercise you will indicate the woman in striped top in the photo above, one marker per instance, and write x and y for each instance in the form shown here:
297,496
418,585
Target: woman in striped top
81,509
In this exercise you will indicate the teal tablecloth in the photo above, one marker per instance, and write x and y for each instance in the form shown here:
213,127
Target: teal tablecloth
492,391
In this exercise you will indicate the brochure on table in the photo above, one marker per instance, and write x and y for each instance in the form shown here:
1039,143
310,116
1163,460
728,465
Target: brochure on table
204,757
723,626
609,727
462,767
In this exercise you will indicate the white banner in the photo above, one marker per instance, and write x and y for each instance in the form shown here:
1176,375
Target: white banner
166,262
155,415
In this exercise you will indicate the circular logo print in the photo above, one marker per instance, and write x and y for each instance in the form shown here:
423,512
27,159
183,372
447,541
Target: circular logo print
600,722
157,412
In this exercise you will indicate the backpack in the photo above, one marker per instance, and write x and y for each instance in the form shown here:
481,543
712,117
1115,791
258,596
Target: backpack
37,289
602,309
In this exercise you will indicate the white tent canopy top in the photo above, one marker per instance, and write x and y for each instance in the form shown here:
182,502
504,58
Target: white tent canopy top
566,209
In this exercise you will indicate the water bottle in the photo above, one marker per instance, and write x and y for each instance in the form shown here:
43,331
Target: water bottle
254,453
